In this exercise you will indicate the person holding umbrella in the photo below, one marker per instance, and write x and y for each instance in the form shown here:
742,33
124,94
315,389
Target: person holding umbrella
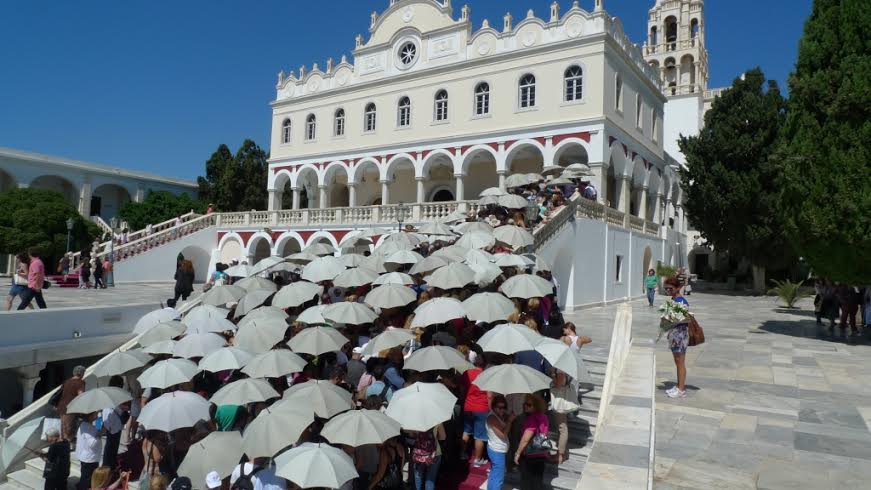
89,449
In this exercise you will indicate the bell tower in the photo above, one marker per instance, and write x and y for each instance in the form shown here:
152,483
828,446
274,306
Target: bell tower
675,46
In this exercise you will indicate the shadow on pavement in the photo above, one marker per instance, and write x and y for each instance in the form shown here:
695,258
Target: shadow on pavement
812,330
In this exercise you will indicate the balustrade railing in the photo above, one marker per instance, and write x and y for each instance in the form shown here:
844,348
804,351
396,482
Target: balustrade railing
636,223
152,230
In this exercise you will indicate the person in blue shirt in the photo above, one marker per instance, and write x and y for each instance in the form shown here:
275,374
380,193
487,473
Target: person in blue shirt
679,339
393,370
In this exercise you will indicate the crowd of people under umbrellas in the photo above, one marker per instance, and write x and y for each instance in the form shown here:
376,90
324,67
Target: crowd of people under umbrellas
443,349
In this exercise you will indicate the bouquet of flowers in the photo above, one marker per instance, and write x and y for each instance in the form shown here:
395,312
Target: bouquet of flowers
670,314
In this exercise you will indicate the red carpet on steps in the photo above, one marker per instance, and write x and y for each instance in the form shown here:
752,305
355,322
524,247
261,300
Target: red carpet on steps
459,480
58,281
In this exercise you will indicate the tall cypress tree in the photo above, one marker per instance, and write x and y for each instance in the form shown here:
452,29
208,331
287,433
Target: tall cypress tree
826,151
732,197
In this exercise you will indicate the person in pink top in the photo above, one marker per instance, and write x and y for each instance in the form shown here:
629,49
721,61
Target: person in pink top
532,465
35,279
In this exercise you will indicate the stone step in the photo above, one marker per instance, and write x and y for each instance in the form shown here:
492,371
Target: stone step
27,479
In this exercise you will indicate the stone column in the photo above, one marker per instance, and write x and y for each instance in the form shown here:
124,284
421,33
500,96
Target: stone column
460,194
420,190
85,194
623,198
501,179
680,223
140,193
642,203
29,376
385,193
668,212
274,202
322,196
657,212
352,194
296,196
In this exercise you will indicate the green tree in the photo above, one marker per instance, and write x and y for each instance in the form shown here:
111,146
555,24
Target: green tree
236,183
732,196
827,143
158,207
38,218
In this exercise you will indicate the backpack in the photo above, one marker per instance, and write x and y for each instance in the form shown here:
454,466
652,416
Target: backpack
383,395
424,448
245,480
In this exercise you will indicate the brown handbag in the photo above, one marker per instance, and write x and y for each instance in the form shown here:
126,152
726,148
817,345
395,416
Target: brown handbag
696,334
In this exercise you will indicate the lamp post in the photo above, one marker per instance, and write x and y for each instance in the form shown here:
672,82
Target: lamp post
110,276
70,224
401,209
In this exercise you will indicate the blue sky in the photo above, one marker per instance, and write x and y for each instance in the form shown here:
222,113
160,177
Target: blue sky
158,85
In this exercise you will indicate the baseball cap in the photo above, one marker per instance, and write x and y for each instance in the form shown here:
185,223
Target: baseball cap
182,483
213,480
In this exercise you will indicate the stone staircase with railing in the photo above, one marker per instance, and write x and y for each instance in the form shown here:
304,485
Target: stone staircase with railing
26,473
139,240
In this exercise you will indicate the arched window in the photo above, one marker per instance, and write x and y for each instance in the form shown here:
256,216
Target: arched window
671,33
482,99
654,36
527,91
311,124
618,93
403,115
639,109
285,131
441,105
369,118
339,123
694,31
574,79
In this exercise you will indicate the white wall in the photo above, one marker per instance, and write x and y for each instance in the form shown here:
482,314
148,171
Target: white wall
33,337
583,258
158,264
682,117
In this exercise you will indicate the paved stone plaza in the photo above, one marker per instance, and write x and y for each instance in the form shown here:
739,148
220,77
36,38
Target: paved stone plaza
121,294
774,401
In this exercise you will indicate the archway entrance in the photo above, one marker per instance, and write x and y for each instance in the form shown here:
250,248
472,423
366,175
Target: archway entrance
57,184
6,181
261,250
107,201
200,260
232,250
442,195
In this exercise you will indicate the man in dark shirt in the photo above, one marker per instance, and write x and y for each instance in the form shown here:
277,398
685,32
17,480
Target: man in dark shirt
57,462
356,367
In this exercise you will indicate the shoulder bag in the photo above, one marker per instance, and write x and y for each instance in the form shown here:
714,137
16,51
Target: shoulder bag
696,334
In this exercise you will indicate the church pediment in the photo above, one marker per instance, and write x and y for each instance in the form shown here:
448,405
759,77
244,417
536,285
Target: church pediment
424,15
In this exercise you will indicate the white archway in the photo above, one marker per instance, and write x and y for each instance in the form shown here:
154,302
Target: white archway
230,248
7,181
259,247
57,184
200,259
322,236
288,243
107,200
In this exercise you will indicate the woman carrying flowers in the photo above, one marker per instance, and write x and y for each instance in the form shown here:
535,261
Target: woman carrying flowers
674,316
